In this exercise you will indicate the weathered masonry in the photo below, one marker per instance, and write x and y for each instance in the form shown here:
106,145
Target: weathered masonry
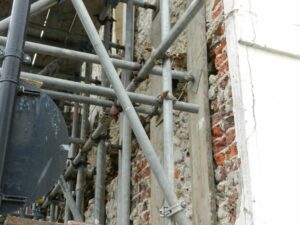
147,112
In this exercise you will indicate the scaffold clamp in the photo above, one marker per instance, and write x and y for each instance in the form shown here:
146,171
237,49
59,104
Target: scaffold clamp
170,211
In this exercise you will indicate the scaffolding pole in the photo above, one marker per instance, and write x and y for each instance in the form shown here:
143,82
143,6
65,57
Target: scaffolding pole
99,211
68,195
52,212
124,181
35,8
80,184
142,4
160,51
168,129
91,58
9,79
129,111
107,92
90,101
72,154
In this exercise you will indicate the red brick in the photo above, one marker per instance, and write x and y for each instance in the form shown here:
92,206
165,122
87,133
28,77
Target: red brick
220,60
177,173
217,131
219,144
218,10
219,31
219,48
215,4
219,158
230,136
232,151
146,172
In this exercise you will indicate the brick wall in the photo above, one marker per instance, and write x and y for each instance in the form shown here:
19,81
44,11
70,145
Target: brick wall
140,189
225,152
224,145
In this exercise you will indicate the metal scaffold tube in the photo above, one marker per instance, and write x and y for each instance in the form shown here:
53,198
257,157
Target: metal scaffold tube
68,195
91,58
129,111
125,159
52,213
167,104
72,154
80,183
102,91
86,106
142,4
99,210
90,101
37,7
163,47
9,79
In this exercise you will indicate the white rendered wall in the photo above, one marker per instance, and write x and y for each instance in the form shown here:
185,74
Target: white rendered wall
264,60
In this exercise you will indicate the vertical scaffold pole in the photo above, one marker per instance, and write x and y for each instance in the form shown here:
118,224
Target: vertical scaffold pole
99,210
72,153
124,184
167,103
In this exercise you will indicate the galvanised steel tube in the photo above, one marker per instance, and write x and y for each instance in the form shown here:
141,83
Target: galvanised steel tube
76,140
125,172
167,104
86,106
81,172
129,111
90,101
52,213
75,119
37,7
102,91
72,153
91,58
159,52
142,4
68,195
80,183
99,210
9,79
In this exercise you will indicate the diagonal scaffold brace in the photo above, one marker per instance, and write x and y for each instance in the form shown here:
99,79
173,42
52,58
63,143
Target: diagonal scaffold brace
128,108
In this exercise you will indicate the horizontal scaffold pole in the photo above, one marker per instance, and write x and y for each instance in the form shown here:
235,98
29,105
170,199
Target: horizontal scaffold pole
89,100
107,92
91,58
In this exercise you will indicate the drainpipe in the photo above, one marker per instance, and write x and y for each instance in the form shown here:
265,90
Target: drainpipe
13,57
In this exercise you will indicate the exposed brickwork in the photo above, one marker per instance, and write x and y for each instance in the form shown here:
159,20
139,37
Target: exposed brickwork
141,193
225,150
